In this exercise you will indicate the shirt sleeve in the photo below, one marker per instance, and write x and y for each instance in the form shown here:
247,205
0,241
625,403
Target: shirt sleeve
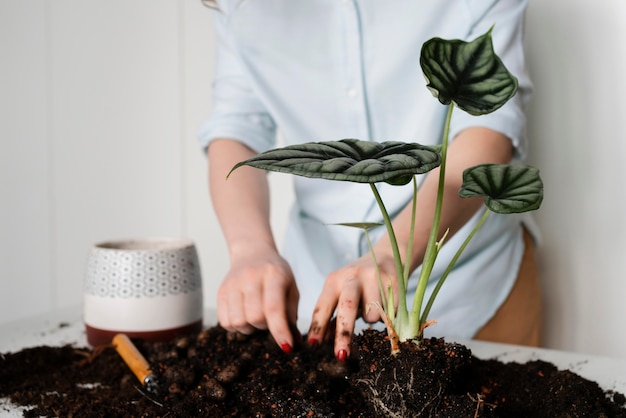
237,112
507,19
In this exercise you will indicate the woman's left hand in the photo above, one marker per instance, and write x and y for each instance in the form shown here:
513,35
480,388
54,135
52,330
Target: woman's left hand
352,291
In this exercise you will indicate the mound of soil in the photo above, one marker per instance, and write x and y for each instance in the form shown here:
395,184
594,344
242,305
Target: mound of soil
216,373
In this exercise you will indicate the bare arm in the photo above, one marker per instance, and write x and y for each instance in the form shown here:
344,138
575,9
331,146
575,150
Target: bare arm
355,285
259,291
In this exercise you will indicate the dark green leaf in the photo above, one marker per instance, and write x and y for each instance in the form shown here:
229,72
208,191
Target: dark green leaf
469,74
505,188
350,160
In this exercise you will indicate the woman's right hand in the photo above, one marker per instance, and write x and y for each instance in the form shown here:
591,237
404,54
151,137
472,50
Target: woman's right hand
260,292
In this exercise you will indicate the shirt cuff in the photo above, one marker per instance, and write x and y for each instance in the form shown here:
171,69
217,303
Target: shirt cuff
508,120
255,130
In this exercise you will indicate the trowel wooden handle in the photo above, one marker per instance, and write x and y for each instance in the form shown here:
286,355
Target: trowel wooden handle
133,358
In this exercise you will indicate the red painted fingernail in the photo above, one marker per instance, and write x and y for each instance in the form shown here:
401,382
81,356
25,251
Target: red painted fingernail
314,343
286,348
342,355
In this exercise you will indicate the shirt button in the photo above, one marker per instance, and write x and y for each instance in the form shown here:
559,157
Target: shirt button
352,93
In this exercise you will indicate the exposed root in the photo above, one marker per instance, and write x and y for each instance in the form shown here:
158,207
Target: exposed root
430,402
381,401
480,403
425,325
394,340
396,395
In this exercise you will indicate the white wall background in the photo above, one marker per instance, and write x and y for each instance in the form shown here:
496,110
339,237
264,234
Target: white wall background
100,102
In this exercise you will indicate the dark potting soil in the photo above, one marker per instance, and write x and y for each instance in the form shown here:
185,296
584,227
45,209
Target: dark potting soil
216,374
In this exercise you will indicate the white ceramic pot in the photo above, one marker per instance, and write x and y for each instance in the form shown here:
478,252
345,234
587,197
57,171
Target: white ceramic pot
149,288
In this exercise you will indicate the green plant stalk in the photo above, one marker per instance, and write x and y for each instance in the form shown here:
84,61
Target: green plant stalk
380,281
402,312
432,248
409,248
445,274
388,296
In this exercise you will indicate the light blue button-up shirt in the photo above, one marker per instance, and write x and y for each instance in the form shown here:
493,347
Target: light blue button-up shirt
319,70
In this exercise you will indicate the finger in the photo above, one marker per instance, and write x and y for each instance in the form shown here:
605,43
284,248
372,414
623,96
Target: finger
371,297
253,306
293,298
230,311
275,306
347,308
326,304
222,309
236,313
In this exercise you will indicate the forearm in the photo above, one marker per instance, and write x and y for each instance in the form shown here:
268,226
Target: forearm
241,202
473,146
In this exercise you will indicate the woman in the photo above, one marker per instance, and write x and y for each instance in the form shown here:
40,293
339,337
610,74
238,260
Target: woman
319,70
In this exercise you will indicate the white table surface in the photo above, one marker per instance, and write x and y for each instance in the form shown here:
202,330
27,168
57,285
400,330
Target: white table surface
66,327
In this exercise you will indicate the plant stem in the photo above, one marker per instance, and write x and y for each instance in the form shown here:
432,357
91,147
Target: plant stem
402,312
383,294
431,248
409,248
445,274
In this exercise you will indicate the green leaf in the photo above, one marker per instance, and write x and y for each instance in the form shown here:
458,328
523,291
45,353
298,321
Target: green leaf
505,188
469,74
350,160
360,225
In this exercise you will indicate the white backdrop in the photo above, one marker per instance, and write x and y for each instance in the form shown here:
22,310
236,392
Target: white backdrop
100,103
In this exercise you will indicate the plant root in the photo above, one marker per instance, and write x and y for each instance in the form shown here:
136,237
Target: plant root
425,325
394,340
381,401
383,398
480,403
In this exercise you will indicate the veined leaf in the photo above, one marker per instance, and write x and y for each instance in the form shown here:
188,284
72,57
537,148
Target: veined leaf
469,74
350,160
506,188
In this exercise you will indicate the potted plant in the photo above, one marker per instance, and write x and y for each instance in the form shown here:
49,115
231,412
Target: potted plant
465,75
